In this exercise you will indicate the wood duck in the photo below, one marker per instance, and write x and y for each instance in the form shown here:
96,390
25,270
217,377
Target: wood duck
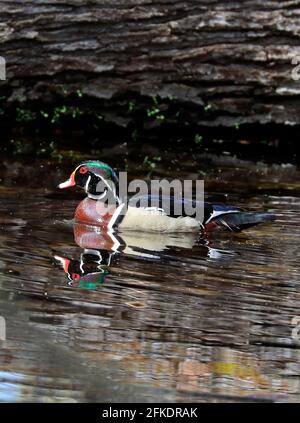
103,207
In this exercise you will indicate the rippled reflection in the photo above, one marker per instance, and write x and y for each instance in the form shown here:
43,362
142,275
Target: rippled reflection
102,249
118,317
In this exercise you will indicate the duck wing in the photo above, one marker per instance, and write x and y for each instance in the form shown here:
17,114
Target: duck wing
239,220
222,216
173,206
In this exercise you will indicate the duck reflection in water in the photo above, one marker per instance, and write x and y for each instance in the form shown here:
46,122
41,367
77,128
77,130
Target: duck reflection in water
102,249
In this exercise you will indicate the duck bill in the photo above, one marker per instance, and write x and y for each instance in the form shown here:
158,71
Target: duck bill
64,262
69,183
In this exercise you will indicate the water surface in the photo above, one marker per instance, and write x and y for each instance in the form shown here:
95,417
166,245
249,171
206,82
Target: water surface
161,318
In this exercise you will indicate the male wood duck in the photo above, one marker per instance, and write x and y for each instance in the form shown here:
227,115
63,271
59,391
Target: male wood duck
103,207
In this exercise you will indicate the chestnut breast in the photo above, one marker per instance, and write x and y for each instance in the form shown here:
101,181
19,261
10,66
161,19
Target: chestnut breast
93,212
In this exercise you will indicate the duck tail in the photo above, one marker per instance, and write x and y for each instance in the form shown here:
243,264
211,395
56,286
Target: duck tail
238,221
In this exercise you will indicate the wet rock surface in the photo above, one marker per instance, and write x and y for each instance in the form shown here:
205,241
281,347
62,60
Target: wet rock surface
220,63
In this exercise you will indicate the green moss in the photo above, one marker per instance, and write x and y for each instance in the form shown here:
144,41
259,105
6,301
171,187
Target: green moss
135,135
24,115
44,114
65,111
131,105
151,163
198,139
64,91
57,113
18,147
154,111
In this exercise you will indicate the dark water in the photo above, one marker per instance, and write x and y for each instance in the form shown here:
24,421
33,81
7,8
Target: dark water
161,318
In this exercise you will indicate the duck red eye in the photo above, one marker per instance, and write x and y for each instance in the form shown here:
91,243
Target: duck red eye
83,170
75,276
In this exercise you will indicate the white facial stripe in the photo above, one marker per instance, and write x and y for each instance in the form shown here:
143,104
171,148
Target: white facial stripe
87,184
77,168
109,188
96,197
60,259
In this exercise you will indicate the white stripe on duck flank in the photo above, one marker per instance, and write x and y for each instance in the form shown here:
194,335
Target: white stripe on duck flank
151,219
220,213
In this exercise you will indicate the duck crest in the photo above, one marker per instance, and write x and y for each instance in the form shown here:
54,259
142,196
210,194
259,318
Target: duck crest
97,165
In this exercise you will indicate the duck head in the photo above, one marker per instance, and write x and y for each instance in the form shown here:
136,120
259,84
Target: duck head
90,270
98,179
